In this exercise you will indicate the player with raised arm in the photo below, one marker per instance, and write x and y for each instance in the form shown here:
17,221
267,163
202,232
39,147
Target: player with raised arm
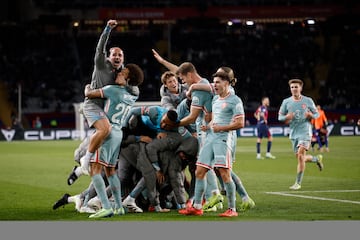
104,73
200,114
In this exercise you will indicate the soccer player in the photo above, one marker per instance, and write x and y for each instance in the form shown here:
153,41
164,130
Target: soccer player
320,124
261,115
117,106
297,111
104,73
217,152
171,92
200,114
169,136
247,202
172,162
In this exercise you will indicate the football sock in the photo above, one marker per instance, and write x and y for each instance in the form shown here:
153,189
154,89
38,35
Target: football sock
115,187
299,177
240,189
269,146
140,186
221,182
86,199
211,184
71,199
101,191
79,171
88,155
200,185
230,193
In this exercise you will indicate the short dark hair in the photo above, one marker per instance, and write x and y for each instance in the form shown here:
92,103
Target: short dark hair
230,72
172,115
136,75
222,75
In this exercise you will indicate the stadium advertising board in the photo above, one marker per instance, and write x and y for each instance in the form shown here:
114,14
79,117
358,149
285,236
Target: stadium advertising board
57,134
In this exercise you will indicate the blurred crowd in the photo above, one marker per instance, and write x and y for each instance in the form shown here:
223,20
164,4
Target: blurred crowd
53,66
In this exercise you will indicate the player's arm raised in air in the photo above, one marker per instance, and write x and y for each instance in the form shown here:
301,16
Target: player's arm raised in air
172,67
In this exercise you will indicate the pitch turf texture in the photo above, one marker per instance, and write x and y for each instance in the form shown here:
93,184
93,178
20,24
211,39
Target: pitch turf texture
33,176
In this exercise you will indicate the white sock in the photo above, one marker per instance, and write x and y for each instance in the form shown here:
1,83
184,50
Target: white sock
78,171
88,155
71,199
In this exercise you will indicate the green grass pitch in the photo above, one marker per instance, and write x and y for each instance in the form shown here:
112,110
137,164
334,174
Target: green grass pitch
33,176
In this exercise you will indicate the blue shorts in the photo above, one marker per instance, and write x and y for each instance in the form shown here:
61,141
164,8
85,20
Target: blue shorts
108,153
92,113
216,152
296,143
263,131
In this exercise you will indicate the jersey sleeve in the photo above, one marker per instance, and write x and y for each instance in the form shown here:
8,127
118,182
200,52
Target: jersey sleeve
282,111
100,53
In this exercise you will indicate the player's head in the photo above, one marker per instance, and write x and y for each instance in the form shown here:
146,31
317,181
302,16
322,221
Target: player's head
265,101
187,72
135,75
170,81
116,57
230,72
221,82
169,120
296,86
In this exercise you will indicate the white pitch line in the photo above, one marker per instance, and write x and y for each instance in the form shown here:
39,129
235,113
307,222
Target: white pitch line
318,198
319,191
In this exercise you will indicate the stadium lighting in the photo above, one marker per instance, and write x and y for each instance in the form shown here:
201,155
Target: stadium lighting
249,23
310,21
230,23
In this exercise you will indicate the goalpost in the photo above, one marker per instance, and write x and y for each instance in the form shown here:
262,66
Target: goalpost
80,122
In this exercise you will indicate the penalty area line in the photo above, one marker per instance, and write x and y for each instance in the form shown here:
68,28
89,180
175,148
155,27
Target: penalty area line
313,197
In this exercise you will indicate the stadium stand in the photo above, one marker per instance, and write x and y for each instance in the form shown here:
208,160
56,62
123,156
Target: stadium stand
52,59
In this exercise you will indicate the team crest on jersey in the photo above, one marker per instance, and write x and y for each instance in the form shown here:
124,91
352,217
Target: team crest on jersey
223,105
303,106
195,100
